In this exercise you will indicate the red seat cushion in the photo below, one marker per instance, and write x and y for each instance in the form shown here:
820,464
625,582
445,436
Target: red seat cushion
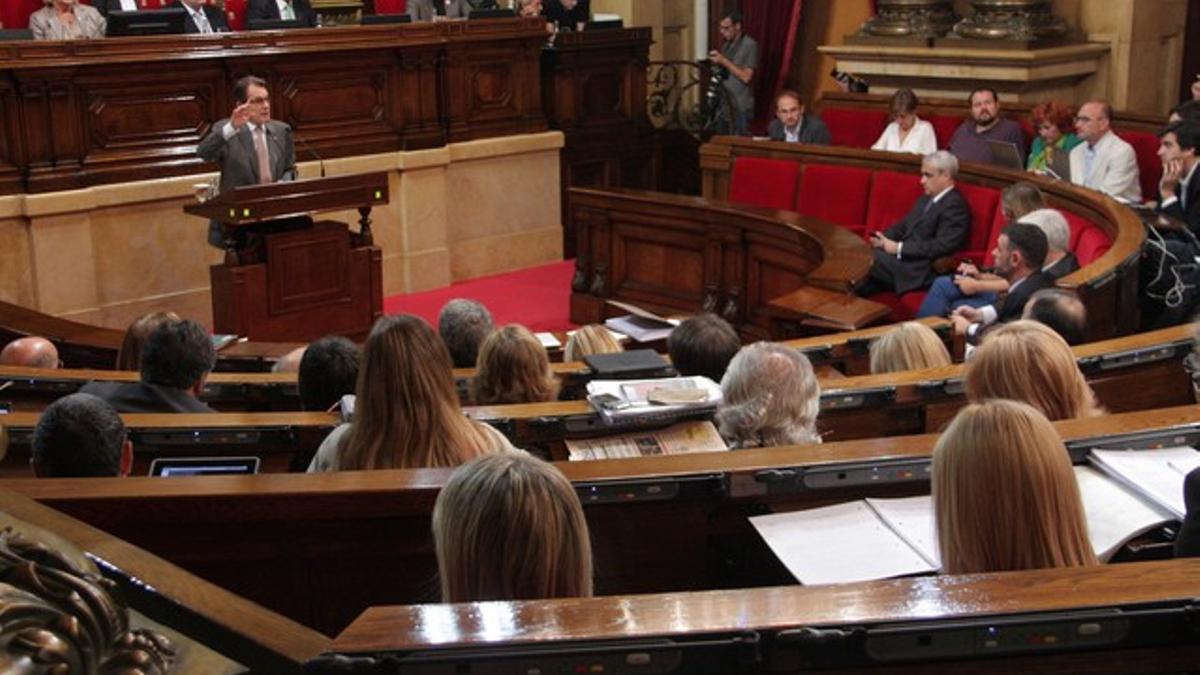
892,196
984,203
904,307
998,223
1093,243
837,194
854,127
770,183
1145,144
1078,224
1027,131
944,127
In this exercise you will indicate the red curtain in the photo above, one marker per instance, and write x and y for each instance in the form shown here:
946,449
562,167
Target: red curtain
390,6
774,24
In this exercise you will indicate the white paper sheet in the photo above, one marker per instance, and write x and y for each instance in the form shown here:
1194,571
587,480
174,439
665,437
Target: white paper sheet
1155,474
1115,514
837,544
912,519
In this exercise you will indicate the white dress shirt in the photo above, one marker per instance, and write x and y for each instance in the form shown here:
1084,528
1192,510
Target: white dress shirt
921,140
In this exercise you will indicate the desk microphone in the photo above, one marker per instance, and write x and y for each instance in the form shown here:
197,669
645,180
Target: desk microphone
309,149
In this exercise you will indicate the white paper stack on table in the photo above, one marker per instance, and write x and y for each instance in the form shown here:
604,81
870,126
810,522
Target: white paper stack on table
551,341
641,325
1135,492
685,437
662,399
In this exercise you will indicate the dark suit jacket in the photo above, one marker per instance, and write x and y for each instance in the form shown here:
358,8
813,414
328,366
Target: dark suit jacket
1067,264
927,236
1014,303
239,162
268,10
1191,215
106,6
812,131
216,18
140,397
424,10
1187,544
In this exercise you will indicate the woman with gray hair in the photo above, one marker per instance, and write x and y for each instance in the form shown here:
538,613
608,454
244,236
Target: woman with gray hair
770,397
67,20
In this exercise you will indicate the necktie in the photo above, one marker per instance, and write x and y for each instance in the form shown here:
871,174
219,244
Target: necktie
288,14
202,23
264,157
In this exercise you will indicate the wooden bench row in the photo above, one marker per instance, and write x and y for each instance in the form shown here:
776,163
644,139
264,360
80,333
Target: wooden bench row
1141,372
336,544
1108,619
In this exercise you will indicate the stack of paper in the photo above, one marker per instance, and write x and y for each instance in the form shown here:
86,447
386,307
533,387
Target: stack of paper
641,325
685,437
1155,475
629,400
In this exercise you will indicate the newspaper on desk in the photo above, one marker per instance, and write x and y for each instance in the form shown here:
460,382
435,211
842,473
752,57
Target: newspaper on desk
684,437
662,399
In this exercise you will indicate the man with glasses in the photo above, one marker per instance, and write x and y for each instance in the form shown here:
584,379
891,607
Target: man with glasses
970,140
938,225
1103,161
250,147
738,56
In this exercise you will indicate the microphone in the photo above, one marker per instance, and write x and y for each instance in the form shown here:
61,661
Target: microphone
309,149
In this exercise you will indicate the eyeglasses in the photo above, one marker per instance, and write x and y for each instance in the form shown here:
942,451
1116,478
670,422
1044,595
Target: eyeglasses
928,174
260,100
1085,120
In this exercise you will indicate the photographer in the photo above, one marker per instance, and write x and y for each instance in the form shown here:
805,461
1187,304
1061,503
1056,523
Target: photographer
739,56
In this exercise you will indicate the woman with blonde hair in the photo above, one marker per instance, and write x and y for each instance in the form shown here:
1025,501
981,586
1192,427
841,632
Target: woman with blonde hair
513,368
1005,495
591,339
909,346
406,412
770,396
510,527
129,357
1027,361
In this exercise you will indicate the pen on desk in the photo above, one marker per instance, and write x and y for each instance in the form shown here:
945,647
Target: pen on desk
1176,469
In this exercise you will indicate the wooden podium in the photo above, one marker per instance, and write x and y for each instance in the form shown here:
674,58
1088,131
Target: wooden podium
287,277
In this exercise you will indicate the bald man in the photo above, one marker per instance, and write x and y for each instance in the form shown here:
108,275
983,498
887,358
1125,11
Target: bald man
31,352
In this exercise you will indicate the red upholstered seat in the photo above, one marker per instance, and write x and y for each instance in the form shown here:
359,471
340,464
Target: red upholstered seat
1145,144
235,13
984,203
892,196
770,183
1028,132
998,223
390,6
854,127
944,127
1077,224
837,194
1093,243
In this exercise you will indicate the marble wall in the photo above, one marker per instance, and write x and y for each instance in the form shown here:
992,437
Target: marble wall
108,254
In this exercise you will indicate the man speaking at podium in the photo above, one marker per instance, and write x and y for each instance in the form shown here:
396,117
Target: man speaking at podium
251,147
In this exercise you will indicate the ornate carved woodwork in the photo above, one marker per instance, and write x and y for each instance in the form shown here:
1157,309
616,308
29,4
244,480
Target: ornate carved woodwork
58,618
911,19
1011,20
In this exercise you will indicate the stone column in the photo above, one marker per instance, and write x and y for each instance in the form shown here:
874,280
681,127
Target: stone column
913,19
1012,20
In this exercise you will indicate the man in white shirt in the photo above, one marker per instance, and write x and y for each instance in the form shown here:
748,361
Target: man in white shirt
1103,161
201,17
286,10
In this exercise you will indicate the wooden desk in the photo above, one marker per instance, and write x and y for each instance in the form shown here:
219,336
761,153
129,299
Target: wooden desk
282,441
125,109
677,254
756,630
674,523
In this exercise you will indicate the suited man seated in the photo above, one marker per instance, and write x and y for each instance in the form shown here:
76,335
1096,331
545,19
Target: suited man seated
250,147
1187,544
428,10
1179,191
792,125
286,10
106,6
176,359
938,225
1020,254
201,17
1103,161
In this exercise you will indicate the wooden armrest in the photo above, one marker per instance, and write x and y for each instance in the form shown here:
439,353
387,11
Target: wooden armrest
826,309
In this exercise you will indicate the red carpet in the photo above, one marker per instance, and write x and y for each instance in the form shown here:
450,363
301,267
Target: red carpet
536,297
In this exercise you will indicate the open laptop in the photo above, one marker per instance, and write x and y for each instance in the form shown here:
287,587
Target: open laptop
1059,165
1006,154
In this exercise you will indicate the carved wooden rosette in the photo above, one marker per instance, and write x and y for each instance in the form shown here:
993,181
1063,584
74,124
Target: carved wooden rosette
58,619
911,19
1011,20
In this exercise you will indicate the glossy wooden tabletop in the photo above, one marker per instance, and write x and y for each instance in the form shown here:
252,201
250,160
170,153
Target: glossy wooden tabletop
639,616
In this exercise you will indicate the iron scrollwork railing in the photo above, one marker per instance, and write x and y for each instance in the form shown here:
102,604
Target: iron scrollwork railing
688,95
